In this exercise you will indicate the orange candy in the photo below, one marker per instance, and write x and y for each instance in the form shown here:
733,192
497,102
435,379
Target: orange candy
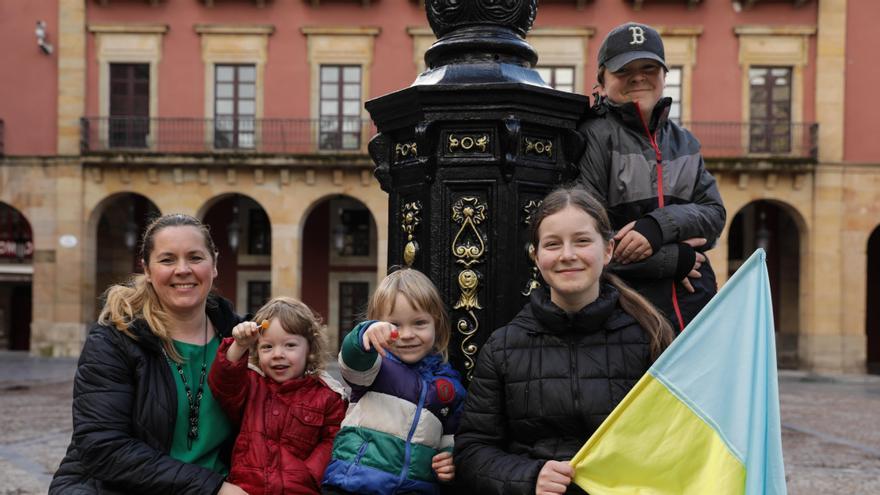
264,325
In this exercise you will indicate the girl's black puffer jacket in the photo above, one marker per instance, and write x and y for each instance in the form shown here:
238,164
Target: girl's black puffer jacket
542,385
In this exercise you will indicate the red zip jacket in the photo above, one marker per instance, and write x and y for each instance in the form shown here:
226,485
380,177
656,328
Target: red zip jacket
287,429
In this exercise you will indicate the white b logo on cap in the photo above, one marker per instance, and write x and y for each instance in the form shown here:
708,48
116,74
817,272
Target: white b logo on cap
638,35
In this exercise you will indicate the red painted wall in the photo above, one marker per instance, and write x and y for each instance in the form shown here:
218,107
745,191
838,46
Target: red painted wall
716,94
862,81
181,86
28,78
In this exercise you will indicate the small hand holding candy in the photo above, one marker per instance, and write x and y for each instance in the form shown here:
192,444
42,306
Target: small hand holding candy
379,336
245,335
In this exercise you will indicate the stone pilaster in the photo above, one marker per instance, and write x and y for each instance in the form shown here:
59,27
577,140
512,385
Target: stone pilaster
71,73
831,78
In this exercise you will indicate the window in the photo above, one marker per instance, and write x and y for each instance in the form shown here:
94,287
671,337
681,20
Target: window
770,109
234,105
340,107
258,293
352,233
353,298
259,232
558,77
129,121
673,90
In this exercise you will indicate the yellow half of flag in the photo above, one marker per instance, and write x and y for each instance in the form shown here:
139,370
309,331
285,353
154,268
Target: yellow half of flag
653,439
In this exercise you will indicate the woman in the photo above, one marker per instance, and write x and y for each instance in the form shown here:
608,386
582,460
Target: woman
144,419
548,379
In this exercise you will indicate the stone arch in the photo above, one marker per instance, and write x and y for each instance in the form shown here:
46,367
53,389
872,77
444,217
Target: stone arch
872,308
340,257
242,231
780,230
113,232
16,278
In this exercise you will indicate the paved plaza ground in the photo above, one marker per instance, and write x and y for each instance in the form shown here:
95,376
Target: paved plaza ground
830,424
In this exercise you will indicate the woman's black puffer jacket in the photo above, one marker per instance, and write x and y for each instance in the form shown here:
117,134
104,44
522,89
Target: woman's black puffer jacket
124,405
543,384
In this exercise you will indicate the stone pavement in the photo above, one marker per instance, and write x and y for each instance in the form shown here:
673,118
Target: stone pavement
830,425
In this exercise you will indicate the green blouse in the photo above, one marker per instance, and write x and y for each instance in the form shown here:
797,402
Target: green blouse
214,427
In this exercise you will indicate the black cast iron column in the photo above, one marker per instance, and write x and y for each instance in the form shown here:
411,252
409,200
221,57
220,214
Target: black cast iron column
465,154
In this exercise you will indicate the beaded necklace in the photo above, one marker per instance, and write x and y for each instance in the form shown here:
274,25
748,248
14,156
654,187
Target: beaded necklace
193,432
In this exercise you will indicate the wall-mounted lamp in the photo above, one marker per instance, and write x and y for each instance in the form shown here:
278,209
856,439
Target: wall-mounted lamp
339,237
233,228
44,45
131,228
762,234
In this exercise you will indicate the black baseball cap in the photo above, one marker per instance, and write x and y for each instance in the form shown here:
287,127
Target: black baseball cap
628,42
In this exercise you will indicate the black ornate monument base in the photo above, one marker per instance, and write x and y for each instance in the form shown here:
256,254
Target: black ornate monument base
466,153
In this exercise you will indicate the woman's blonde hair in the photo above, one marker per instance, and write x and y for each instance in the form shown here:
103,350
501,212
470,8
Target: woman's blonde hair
137,299
296,319
421,293
632,302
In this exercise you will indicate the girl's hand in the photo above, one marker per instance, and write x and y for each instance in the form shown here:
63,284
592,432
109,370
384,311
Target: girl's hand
230,489
246,333
380,335
442,465
554,478
631,245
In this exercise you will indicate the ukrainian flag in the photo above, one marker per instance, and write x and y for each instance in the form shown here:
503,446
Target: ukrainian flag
705,417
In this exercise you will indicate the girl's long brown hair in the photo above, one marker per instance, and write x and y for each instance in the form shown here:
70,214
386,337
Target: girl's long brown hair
631,301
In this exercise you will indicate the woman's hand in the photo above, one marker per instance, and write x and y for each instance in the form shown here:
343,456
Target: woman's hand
230,489
379,336
631,246
554,478
444,467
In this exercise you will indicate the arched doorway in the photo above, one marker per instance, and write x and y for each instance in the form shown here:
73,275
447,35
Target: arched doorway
339,263
16,274
771,226
243,235
120,227
872,303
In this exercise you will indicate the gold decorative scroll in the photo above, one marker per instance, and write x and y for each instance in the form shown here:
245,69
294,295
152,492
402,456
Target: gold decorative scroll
405,149
532,283
410,217
468,248
539,147
468,143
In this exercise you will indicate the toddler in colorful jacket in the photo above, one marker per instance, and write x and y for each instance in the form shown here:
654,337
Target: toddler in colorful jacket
406,399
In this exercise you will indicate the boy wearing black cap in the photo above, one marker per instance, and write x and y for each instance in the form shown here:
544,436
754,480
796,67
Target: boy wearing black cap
650,174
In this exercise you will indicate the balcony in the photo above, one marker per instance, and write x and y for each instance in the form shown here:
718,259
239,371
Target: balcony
224,135
757,139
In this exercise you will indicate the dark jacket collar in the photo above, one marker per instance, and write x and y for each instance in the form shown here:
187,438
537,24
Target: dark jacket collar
592,318
218,309
629,114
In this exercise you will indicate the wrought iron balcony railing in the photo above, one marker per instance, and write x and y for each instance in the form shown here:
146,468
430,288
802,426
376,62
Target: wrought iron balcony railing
218,135
758,139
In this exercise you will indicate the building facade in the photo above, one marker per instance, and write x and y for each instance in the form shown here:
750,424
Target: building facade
249,114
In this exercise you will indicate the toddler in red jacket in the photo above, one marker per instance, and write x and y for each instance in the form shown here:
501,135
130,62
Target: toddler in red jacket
287,407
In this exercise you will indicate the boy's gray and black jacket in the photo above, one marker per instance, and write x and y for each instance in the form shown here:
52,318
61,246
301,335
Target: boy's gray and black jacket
619,167
124,406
